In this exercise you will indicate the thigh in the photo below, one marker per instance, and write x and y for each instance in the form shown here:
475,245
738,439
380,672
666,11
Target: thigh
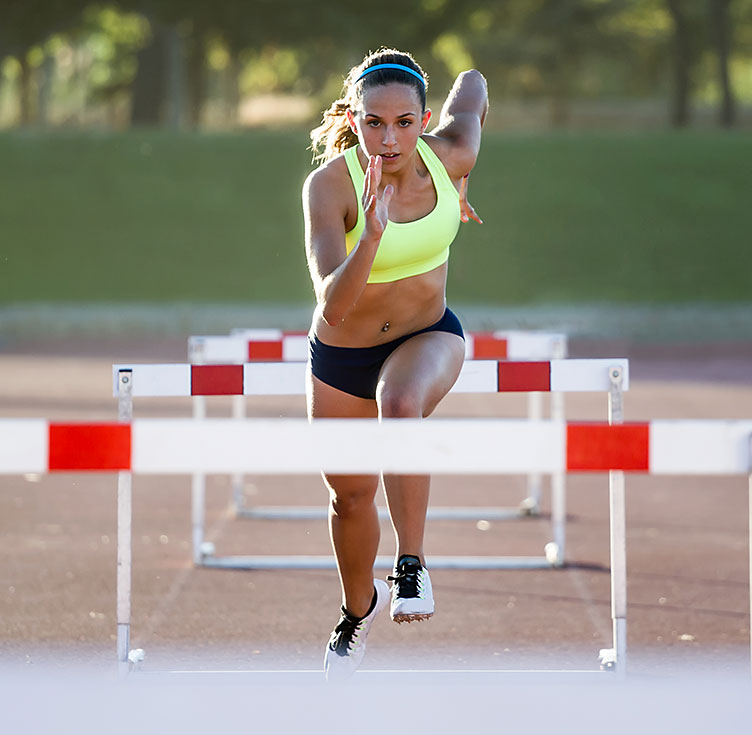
421,371
324,401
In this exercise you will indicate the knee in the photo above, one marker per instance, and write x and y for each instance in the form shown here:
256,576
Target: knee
351,498
399,405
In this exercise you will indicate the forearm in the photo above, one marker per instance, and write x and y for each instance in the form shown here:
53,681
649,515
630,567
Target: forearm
341,289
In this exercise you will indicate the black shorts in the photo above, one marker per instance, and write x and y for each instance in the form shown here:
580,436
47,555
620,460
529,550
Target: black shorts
355,370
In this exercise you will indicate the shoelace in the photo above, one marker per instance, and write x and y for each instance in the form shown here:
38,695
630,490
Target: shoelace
344,633
407,580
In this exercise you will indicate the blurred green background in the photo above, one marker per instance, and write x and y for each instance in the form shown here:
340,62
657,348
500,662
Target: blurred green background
217,218
153,151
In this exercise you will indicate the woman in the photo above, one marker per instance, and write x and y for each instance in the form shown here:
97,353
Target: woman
380,214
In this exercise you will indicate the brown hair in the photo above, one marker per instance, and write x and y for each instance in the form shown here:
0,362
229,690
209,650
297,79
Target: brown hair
334,135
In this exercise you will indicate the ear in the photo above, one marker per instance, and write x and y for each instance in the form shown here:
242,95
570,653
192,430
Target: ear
351,121
424,120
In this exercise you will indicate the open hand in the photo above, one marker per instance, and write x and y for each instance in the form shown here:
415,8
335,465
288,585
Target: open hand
375,205
466,209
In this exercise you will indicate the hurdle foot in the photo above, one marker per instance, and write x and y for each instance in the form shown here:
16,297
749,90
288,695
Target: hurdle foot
553,554
135,659
607,658
207,549
529,507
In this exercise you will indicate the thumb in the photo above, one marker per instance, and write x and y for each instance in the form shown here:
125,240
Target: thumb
388,193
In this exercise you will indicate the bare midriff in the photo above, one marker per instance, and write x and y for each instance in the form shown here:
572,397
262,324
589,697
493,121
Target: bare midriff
386,311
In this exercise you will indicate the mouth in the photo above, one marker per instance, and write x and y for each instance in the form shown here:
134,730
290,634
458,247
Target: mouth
389,156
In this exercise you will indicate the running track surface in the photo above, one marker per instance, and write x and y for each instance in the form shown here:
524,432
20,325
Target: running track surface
687,545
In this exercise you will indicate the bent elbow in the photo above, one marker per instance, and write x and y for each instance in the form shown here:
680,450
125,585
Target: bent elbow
333,317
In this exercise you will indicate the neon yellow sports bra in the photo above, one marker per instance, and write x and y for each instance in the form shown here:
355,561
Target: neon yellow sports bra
410,248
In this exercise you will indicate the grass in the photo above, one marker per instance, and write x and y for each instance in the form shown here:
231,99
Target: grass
569,218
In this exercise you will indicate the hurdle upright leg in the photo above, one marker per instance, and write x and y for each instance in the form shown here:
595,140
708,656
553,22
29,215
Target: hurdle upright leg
124,521
556,552
616,657
237,479
531,504
198,494
749,526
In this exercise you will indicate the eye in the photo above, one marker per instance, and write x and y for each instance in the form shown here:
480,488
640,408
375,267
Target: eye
373,123
405,123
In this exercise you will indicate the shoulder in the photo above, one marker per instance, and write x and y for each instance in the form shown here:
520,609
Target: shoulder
329,195
327,174
328,181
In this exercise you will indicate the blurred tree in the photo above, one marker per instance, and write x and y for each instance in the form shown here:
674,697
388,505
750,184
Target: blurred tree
688,24
156,95
114,38
720,26
540,47
185,51
25,24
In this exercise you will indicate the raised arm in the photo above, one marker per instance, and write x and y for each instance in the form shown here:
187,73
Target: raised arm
460,122
339,278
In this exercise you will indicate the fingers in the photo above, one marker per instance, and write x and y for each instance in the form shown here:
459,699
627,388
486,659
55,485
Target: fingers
466,209
472,215
467,212
372,180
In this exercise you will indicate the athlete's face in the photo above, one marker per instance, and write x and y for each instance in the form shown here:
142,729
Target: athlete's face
388,123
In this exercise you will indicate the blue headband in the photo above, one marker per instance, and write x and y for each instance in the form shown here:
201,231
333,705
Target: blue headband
391,66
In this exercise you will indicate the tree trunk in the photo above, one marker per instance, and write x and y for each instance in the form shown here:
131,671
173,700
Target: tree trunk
232,89
682,61
196,78
24,92
175,87
721,31
150,82
44,93
560,84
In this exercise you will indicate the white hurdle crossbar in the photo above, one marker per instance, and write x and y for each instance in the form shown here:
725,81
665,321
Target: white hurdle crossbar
293,446
266,345
477,376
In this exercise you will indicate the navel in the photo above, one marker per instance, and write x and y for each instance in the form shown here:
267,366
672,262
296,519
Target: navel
385,328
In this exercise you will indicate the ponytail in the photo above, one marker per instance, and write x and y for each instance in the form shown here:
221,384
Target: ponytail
334,135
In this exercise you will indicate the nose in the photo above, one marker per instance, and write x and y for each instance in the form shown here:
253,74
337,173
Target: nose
389,136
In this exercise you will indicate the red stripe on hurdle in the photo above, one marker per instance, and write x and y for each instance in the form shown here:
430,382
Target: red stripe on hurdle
216,380
98,447
598,447
524,376
488,347
264,350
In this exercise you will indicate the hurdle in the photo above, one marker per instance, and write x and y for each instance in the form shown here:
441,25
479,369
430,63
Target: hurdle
288,378
294,446
275,345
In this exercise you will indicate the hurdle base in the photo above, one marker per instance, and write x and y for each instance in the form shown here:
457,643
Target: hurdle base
281,512
382,562
376,676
